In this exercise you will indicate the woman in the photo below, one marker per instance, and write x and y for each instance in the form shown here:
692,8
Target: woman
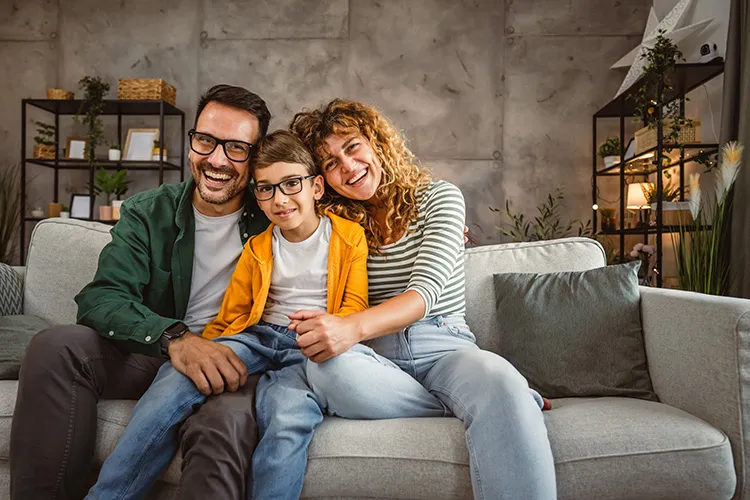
417,356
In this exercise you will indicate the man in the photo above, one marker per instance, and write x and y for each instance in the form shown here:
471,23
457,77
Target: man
159,282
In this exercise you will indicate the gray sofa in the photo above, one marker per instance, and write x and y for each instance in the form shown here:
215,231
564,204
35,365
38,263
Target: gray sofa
689,446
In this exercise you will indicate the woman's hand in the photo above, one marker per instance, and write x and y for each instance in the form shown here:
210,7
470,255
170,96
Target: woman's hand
322,335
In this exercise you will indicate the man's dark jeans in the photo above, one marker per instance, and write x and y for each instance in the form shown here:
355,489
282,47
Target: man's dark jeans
67,369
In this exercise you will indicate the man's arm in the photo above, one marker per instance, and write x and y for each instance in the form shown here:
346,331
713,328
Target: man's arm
112,304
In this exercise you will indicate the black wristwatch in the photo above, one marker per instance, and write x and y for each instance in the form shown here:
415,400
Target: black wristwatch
175,331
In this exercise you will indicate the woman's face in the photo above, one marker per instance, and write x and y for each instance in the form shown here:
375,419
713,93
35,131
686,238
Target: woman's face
351,167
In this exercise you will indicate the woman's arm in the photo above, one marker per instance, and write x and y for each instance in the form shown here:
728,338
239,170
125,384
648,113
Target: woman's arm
323,336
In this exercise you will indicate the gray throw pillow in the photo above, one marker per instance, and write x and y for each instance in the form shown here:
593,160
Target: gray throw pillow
575,333
15,335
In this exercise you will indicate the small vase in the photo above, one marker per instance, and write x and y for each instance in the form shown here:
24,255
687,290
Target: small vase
116,204
54,209
105,212
65,215
114,155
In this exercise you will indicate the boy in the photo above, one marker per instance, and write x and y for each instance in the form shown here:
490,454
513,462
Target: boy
302,261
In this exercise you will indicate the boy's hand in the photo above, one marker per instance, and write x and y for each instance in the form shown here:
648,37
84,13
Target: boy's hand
322,336
210,365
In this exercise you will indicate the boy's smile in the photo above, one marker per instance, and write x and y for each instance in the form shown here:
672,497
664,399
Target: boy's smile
294,213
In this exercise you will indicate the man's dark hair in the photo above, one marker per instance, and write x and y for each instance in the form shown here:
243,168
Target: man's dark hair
240,98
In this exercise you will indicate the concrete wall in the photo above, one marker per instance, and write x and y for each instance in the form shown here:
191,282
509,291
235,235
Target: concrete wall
494,95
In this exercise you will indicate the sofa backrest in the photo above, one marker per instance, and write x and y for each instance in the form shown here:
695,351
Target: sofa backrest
62,259
64,253
567,254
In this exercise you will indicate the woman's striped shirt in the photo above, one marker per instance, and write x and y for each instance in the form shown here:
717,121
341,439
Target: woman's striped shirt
429,257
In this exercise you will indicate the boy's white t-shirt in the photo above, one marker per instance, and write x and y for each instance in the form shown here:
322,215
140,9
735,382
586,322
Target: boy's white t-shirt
299,279
218,246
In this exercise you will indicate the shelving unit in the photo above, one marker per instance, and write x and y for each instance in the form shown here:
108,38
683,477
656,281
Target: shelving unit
112,107
687,77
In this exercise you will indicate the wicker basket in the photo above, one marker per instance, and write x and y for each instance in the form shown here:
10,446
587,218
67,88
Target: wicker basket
148,89
59,94
44,152
645,138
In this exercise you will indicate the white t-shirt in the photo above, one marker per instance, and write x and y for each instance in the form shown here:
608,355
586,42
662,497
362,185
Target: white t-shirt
299,279
218,246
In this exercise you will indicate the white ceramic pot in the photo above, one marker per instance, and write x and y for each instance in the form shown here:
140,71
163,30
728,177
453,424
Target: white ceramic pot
610,161
65,215
37,213
114,155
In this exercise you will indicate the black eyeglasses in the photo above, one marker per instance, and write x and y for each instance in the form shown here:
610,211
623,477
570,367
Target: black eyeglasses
204,144
290,186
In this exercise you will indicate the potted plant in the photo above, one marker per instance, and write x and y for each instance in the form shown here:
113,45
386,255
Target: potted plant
114,152
115,184
65,212
91,108
157,152
609,222
45,141
610,151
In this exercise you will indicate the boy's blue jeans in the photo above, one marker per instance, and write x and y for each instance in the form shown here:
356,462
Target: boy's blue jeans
151,438
431,369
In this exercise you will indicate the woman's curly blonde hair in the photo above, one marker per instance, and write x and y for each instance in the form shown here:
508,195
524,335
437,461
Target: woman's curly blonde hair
397,192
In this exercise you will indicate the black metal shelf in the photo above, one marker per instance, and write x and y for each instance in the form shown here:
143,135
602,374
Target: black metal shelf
614,170
39,219
66,164
111,107
687,77
650,230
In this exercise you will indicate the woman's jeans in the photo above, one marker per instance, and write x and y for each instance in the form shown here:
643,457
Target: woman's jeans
431,369
151,438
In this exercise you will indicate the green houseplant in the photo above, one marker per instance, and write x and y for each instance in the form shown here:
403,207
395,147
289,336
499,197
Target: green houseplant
701,244
547,225
89,113
109,185
609,150
44,141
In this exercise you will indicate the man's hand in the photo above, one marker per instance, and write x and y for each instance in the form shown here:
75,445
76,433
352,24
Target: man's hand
322,335
210,365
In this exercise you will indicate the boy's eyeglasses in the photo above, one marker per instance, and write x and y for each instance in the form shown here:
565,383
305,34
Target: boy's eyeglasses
290,186
204,144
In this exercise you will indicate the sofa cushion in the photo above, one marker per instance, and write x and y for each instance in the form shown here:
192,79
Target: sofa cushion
604,448
63,255
575,333
11,290
569,254
624,448
15,334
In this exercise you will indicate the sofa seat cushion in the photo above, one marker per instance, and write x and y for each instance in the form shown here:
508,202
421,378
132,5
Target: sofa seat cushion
604,448
623,448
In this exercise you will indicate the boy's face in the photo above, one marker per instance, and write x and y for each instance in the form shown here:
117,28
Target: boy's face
295,210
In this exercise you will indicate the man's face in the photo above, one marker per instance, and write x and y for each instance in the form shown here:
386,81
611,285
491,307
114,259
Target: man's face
218,179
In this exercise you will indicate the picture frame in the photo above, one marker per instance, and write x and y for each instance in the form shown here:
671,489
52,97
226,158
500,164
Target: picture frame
80,206
139,144
76,148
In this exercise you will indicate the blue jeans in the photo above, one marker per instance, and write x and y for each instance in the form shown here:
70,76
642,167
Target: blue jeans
431,369
151,438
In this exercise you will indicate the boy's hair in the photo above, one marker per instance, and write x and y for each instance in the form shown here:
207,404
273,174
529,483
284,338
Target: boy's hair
283,146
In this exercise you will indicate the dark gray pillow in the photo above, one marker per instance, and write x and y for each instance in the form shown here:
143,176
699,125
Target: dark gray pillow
15,335
575,333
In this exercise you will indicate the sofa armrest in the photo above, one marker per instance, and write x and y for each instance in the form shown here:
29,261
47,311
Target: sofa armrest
698,350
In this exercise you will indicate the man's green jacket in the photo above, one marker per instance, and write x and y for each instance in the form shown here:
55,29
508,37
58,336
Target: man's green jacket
142,283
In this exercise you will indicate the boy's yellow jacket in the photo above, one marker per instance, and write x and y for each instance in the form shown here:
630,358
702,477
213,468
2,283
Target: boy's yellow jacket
245,299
